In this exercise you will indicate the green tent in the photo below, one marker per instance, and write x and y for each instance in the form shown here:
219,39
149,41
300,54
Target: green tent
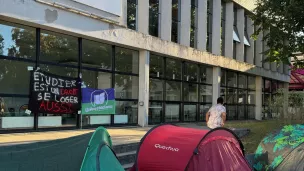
99,155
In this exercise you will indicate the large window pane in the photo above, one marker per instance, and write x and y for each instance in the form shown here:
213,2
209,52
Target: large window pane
242,96
173,69
191,72
59,70
155,112
223,78
251,97
206,93
241,112
189,112
156,66
190,92
172,113
126,112
267,87
14,77
206,74
251,112
17,41
131,14
126,60
231,112
156,89
231,79
153,17
95,79
46,120
223,94
203,111
126,86
96,55
58,48
231,97
251,82
12,113
173,91
242,81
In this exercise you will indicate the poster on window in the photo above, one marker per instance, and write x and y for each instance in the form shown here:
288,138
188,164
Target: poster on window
98,101
53,94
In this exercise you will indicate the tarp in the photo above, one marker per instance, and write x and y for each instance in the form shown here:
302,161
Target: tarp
172,148
284,148
99,155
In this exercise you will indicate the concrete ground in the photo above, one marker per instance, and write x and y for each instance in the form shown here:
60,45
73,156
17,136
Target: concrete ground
121,135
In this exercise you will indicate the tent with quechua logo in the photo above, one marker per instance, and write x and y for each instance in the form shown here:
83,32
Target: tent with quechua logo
285,149
172,148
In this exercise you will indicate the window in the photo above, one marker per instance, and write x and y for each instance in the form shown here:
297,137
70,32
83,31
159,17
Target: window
242,81
236,37
231,79
96,79
251,82
190,92
173,91
190,72
126,112
156,89
60,70
209,25
223,23
126,86
173,69
126,60
172,112
206,74
58,48
203,111
246,40
96,55
175,21
131,14
153,17
155,112
193,23
206,93
156,66
190,112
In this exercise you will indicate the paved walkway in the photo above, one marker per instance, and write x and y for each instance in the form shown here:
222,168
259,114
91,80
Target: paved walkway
119,135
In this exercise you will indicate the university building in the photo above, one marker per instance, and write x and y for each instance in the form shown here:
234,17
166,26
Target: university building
168,60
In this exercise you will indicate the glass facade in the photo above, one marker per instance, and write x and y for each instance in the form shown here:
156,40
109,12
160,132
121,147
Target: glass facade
153,17
180,91
175,20
131,14
238,91
100,65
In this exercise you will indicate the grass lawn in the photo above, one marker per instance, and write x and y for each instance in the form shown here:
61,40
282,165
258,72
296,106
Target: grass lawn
258,130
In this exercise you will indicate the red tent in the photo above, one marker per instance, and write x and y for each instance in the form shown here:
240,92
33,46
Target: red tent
172,148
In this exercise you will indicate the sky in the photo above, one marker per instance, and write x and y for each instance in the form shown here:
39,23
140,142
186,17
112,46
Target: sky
6,32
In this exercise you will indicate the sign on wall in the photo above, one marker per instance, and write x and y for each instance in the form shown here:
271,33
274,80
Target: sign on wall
110,6
54,94
97,101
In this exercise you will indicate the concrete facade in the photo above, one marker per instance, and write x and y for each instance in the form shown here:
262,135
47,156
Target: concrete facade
111,29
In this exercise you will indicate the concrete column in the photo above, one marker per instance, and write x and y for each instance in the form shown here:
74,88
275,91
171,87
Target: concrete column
124,17
240,26
216,27
165,19
258,97
265,48
250,50
143,98
202,25
143,16
185,22
216,86
259,50
228,52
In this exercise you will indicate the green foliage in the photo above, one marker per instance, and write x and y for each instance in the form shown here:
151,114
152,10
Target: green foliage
284,19
1,44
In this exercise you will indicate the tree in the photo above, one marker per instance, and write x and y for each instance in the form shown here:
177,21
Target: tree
1,44
284,19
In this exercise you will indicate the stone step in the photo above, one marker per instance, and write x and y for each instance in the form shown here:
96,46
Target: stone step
123,148
127,166
127,157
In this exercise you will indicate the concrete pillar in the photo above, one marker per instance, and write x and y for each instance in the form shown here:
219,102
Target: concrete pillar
259,50
124,17
216,27
216,85
202,25
265,48
250,50
240,26
228,52
258,97
185,22
143,16
143,98
165,19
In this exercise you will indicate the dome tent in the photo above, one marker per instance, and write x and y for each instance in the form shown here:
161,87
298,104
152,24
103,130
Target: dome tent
172,148
285,148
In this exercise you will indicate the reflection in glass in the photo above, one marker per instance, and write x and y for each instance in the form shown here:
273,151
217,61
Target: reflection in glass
173,91
231,79
58,48
126,112
155,112
203,111
189,113
172,113
241,112
17,41
231,112
126,86
223,94
223,78
156,66
242,81
156,89
242,96
131,14
153,17
206,74
173,69
231,97
95,79
251,97
126,60
60,70
190,72
14,77
190,92
267,86
96,55
206,93
251,112
251,82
